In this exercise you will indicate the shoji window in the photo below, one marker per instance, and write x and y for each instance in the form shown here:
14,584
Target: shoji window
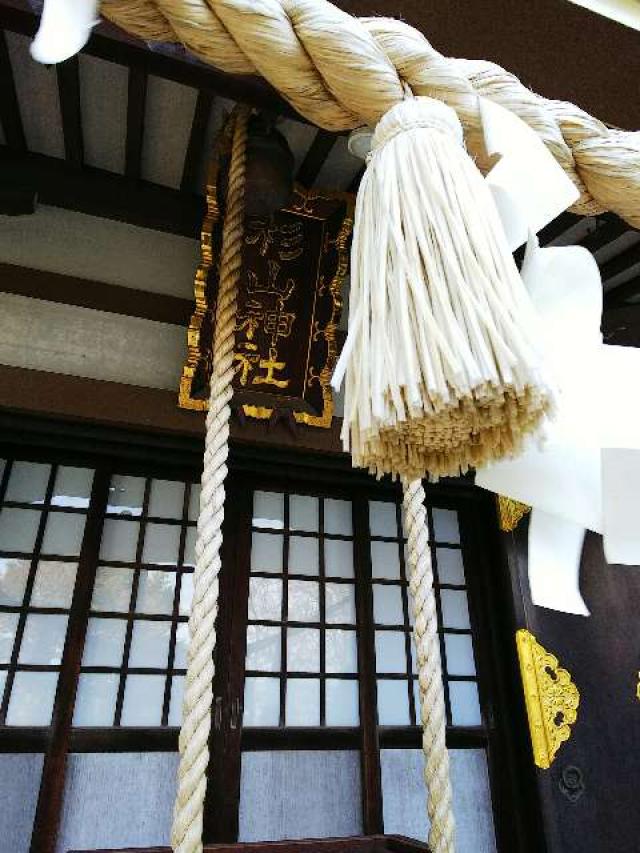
42,518
134,659
302,653
397,682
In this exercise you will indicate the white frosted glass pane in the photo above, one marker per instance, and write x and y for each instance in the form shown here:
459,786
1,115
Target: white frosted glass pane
126,495
268,510
387,605
445,525
382,518
338,517
43,639
143,700
391,653
263,648
265,598
304,555
303,702
149,644
194,501
465,705
303,513
18,529
338,558
304,601
416,700
119,540
342,702
96,699
450,567
186,593
161,544
3,672
455,609
459,651
414,657
63,534
104,642
341,650
112,589
303,650
28,482
72,487
261,702
13,580
32,698
266,552
393,703
190,547
385,560
181,647
166,499
8,623
53,586
340,603
155,592
175,703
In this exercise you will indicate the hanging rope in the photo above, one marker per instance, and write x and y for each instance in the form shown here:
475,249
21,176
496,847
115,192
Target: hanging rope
341,72
432,705
194,734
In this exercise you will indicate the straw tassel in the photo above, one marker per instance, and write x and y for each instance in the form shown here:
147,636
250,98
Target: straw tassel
441,368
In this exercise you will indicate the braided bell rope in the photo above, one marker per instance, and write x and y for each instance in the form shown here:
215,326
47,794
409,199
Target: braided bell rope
432,704
186,834
341,72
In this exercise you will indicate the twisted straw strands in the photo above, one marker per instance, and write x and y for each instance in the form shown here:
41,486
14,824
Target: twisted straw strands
432,704
194,734
341,72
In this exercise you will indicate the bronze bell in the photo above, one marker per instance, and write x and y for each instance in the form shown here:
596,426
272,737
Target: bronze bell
269,169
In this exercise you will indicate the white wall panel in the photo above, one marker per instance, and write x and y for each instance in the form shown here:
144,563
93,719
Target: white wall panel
300,794
71,243
405,799
103,94
117,800
42,335
169,115
19,785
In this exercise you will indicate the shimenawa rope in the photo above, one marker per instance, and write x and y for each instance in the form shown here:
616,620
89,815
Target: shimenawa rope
341,72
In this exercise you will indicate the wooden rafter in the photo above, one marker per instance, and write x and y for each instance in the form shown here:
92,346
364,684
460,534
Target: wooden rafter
101,193
9,106
68,74
197,139
620,263
315,158
136,104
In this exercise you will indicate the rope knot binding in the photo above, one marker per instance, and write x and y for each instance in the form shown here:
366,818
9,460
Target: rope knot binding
417,113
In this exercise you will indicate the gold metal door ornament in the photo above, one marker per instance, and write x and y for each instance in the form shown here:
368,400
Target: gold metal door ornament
510,512
551,698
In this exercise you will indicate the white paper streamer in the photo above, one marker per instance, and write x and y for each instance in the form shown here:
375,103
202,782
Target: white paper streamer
555,548
65,28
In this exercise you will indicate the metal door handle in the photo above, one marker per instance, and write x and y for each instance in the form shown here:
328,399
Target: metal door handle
217,713
236,713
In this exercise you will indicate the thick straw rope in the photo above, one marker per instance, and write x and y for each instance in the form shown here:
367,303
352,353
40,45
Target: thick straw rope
432,705
196,725
341,72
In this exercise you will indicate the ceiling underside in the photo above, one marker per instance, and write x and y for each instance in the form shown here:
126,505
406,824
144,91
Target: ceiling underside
125,132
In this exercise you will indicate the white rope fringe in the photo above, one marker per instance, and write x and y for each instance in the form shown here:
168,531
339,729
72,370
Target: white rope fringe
186,835
432,704
441,368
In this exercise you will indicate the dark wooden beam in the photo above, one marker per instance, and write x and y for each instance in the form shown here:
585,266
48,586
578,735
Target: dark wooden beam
315,158
101,193
69,94
136,104
112,45
557,228
69,290
620,263
9,106
620,295
608,227
197,139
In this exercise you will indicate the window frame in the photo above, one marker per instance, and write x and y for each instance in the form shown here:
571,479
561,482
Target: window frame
306,474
